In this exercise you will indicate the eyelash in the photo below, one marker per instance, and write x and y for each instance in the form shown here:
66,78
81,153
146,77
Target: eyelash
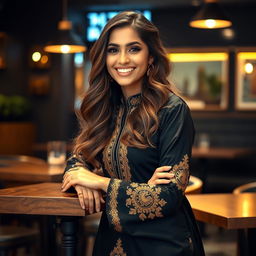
113,50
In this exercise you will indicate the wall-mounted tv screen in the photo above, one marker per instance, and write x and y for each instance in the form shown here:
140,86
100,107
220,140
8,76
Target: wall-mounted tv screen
97,20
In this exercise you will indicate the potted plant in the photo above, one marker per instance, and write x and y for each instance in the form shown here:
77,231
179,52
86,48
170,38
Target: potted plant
17,131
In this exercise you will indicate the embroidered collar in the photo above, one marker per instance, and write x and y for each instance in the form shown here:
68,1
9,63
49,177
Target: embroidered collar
133,100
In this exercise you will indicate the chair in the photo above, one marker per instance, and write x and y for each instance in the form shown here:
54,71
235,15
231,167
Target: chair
246,237
249,187
13,237
195,186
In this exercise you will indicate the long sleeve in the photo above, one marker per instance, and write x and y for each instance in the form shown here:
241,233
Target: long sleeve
72,162
131,205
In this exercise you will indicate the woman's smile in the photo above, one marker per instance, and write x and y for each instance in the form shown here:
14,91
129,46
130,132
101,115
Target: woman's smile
124,71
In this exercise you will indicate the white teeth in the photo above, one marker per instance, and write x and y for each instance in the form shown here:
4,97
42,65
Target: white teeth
124,70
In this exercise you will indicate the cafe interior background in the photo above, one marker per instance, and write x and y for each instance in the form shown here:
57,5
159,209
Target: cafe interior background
213,68
53,82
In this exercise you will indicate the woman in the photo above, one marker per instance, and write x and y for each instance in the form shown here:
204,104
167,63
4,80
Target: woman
134,145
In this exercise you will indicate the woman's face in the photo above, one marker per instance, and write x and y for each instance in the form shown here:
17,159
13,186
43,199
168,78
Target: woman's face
127,59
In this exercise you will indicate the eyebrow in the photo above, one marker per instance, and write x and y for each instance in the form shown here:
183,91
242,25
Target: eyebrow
129,44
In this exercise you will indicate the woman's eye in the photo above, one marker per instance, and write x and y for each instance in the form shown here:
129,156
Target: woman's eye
135,49
112,50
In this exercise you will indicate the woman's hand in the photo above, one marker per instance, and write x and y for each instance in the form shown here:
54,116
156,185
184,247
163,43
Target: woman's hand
85,178
161,176
89,198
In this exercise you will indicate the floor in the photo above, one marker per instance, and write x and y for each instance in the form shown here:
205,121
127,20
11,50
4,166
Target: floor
217,242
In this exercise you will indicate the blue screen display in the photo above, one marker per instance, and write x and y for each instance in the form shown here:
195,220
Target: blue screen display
97,21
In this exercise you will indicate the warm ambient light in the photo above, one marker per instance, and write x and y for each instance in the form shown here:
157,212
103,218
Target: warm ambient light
196,57
210,16
65,48
210,24
66,41
36,56
44,59
248,68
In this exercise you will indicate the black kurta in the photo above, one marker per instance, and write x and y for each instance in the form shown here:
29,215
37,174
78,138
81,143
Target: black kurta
142,219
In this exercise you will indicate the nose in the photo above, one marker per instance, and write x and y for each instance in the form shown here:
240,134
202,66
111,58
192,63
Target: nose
123,57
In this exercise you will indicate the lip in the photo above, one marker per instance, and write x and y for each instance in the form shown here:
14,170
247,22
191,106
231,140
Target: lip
124,71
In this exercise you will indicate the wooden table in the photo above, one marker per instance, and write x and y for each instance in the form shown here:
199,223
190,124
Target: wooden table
221,153
230,211
46,199
28,171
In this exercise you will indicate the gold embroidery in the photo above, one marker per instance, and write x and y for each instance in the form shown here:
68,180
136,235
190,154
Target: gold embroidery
122,153
144,200
118,249
135,100
181,173
113,205
124,162
107,153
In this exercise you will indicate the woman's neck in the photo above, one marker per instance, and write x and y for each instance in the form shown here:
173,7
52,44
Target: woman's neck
128,92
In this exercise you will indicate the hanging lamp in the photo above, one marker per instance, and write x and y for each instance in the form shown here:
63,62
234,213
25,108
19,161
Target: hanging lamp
66,41
210,16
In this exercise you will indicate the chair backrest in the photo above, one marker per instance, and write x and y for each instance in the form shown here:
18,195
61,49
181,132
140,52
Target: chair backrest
249,187
195,185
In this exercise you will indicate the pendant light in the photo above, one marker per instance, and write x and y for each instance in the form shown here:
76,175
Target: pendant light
66,41
210,16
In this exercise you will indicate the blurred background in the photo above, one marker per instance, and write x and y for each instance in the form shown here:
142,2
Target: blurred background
43,90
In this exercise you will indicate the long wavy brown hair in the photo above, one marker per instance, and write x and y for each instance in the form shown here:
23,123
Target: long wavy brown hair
98,109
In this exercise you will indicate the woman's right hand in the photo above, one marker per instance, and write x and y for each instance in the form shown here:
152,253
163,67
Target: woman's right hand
162,175
89,199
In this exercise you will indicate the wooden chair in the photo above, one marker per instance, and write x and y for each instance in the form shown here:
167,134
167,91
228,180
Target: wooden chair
249,187
246,237
13,237
195,186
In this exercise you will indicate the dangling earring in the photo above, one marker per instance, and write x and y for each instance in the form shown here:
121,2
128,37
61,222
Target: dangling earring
150,66
110,78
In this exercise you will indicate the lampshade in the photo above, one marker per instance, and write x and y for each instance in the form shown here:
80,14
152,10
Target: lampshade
66,41
210,16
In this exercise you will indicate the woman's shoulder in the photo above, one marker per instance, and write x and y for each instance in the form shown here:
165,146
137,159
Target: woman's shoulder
174,103
175,110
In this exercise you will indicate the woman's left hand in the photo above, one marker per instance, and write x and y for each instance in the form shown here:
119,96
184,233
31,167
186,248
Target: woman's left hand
162,175
83,177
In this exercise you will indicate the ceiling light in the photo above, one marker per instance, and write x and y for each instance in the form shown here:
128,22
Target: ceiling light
66,41
210,16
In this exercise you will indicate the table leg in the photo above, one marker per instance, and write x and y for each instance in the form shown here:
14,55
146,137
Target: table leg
242,243
252,241
69,227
